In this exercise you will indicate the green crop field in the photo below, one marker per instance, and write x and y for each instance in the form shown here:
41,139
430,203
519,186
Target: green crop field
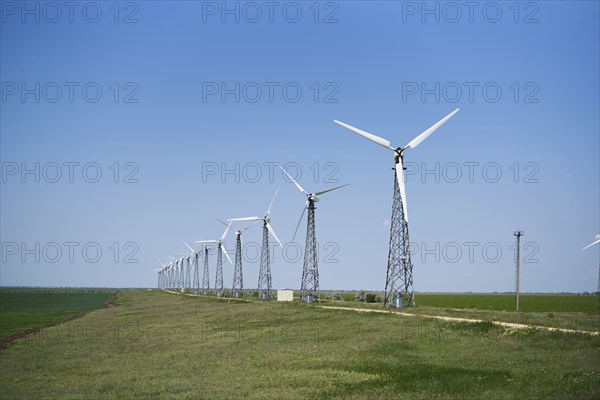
506,302
25,309
156,344
500,302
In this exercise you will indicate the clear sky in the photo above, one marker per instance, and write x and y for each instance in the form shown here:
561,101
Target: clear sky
184,107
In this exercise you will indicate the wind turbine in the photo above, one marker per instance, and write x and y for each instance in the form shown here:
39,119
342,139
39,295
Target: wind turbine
310,271
159,272
185,272
167,282
164,276
174,273
195,268
180,280
399,280
238,277
220,249
264,275
598,289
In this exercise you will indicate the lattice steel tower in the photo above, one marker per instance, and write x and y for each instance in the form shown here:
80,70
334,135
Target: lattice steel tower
219,272
264,274
196,272
205,282
598,292
172,276
181,274
399,282
188,265
310,272
238,279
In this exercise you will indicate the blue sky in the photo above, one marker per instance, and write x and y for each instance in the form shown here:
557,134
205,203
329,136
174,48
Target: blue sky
364,63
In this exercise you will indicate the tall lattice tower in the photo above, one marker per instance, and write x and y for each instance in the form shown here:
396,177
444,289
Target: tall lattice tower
196,272
598,292
188,265
310,272
238,279
399,283
205,281
219,272
264,274
181,275
172,276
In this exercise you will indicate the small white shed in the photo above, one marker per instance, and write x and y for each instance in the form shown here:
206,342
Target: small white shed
285,295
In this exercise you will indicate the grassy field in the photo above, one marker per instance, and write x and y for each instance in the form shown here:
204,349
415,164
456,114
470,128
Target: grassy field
25,309
506,302
502,302
162,345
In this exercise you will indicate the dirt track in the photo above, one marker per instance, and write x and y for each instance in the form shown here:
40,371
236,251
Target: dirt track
456,319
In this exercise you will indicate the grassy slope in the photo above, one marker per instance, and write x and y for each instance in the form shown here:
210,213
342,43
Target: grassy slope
20,311
170,346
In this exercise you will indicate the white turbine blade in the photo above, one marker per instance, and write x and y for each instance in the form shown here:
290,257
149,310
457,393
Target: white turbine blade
400,178
293,180
172,258
270,228
416,141
271,205
380,141
192,250
329,190
226,230
245,219
590,245
300,220
206,241
225,251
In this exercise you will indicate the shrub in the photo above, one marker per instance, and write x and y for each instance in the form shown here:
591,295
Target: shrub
360,296
370,298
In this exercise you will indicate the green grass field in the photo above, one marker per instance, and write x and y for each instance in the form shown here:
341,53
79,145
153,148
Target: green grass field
502,302
506,302
24,309
162,345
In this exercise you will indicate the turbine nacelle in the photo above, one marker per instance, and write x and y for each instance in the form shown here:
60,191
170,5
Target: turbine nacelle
313,198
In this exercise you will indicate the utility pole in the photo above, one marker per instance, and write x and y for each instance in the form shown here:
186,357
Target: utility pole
518,235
